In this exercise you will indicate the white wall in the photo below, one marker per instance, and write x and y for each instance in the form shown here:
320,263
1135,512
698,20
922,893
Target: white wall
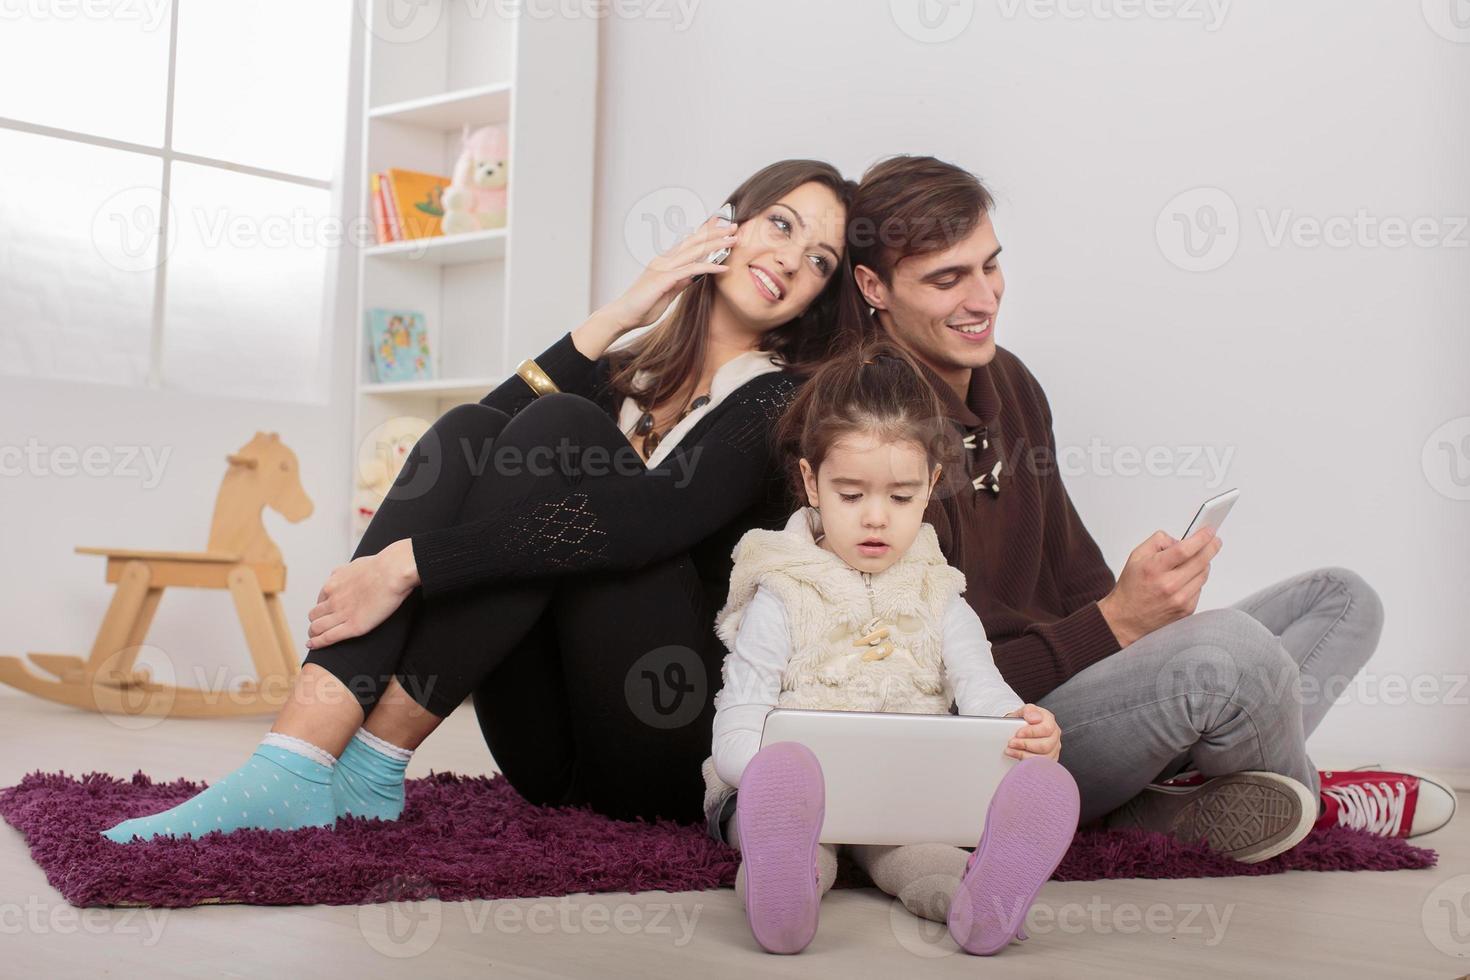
1323,370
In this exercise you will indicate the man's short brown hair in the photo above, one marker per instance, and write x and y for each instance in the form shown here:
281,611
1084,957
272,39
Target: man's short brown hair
911,205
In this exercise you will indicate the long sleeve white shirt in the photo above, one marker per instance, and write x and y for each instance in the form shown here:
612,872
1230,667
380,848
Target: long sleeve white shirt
762,648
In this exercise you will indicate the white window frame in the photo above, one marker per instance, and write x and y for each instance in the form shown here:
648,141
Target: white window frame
168,155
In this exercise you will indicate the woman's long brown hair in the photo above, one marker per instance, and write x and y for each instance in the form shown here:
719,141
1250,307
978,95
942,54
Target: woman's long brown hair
673,352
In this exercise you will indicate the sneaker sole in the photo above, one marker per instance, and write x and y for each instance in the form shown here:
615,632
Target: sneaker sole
1029,825
779,812
1250,817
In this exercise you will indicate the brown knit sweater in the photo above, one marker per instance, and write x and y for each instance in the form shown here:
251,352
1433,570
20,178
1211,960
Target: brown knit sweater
1033,573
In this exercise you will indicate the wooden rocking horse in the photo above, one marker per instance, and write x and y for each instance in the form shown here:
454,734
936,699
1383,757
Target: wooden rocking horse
240,557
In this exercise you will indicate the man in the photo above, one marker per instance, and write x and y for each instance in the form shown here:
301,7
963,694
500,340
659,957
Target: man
1142,686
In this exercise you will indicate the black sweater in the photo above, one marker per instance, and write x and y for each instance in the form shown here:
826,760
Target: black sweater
620,523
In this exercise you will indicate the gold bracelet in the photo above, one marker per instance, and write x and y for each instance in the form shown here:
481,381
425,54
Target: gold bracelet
530,372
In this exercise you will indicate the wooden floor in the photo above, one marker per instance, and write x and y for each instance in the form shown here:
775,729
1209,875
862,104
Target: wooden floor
1340,925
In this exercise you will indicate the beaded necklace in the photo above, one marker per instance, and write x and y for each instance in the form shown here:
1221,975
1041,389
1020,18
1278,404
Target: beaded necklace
644,426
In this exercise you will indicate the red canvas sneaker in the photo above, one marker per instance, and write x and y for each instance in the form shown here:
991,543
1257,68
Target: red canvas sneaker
1391,804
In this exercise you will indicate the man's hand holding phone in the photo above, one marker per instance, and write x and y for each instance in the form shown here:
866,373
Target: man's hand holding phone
1160,583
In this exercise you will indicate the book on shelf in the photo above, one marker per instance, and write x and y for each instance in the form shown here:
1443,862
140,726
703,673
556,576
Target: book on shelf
399,342
407,204
379,210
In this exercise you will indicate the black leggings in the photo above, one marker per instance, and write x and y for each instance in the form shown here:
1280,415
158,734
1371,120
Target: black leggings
589,688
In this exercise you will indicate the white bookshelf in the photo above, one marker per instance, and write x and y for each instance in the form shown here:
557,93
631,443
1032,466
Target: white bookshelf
489,298
447,110
466,389
473,246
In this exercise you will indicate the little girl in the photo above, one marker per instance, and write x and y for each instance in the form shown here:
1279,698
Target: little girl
852,607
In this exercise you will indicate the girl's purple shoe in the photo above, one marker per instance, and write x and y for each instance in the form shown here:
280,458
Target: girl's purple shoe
1028,828
779,811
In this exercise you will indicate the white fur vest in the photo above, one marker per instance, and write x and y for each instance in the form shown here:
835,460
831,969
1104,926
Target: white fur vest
831,606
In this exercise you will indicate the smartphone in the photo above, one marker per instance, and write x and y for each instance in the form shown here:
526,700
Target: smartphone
721,254
1212,512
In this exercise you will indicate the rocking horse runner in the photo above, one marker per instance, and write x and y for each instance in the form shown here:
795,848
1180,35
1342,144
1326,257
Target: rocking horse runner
240,557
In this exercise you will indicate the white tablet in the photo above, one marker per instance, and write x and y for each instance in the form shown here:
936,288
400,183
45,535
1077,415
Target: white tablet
897,778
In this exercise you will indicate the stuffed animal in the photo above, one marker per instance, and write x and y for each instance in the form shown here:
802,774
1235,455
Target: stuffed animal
380,457
475,197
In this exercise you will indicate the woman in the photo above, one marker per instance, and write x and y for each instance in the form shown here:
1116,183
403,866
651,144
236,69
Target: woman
559,549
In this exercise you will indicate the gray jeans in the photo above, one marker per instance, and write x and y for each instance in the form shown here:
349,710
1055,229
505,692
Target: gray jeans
1220,691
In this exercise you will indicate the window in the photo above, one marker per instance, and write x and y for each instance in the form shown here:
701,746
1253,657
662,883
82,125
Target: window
169,177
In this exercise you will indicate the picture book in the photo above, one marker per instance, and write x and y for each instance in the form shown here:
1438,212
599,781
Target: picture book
399,342
417,200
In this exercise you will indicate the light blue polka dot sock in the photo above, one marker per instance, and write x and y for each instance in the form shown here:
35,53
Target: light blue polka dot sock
286,784
368,779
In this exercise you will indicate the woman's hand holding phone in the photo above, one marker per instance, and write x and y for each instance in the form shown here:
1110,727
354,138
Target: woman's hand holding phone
1039,737
651,293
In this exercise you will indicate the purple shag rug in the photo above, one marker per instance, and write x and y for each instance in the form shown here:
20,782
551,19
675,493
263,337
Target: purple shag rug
466,837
